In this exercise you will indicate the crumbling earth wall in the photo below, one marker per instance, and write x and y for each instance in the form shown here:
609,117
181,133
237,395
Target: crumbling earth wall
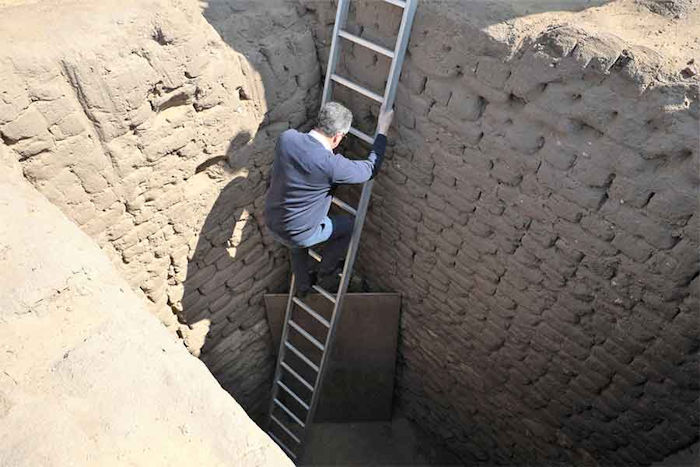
155,136
539,215
88,376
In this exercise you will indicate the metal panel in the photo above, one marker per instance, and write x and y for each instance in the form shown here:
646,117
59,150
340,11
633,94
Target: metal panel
360,376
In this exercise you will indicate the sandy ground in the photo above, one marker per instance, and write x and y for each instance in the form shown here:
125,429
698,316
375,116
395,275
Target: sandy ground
676,38
87,375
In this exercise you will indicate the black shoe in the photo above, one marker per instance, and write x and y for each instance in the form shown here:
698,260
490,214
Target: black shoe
330,282
304,290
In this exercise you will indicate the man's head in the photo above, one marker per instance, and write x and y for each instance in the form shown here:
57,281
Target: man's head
334,122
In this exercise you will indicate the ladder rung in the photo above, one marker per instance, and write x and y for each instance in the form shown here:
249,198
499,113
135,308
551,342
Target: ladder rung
297,376
289,412
310,311
281,444
298,353
342,204
357,88
399,3
291,393
314,255
308,336
363,136
324,292
286,430
365,43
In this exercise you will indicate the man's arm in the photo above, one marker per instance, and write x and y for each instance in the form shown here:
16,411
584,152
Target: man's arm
349,171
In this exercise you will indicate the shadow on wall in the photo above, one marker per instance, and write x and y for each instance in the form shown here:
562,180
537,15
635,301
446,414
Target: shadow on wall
235,262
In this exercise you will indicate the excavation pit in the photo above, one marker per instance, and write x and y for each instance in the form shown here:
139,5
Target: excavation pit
537,211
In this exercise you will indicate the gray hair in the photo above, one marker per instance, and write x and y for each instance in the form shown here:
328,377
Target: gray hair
333,119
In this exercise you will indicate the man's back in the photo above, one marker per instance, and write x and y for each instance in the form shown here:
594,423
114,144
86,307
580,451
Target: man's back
303,174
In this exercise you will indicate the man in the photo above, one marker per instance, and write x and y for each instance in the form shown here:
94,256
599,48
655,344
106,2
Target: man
303,173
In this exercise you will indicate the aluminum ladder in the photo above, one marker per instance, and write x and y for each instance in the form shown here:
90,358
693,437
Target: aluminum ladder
290,420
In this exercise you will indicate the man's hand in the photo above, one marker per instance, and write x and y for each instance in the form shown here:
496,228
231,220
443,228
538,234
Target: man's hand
385,119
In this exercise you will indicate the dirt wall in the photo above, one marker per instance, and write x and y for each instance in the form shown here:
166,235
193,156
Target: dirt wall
154,135
89,376
539,215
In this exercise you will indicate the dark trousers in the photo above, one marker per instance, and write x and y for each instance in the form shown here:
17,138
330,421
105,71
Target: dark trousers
333,251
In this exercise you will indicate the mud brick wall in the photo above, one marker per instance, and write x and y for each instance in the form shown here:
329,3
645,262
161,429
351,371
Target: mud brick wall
539,215
155,136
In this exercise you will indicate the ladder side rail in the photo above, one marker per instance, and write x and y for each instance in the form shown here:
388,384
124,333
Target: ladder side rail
280,352
282,445
399,54
335,318
340,18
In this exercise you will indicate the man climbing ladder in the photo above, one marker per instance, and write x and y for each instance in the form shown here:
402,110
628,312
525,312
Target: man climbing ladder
303,173
297,205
